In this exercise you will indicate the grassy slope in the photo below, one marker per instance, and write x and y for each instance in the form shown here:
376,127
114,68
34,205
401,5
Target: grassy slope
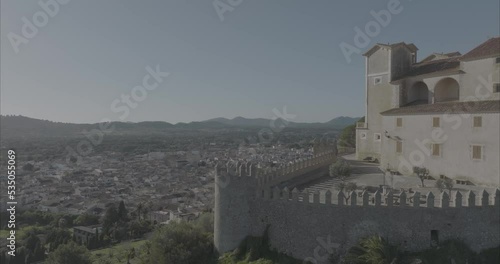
118,251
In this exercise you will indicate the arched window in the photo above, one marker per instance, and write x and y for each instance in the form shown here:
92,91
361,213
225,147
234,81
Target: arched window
418,93
446,90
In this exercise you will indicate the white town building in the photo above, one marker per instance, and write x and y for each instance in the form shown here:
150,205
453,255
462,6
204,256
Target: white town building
441,113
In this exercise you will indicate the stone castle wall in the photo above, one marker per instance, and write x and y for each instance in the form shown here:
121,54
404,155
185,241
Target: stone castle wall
237,186
313,225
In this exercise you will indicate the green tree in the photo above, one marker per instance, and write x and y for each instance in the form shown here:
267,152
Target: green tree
22,256
445,184
62,223
37,218
346,187
120,231
181,243
69,253
139,228
57,237
142,253
206,222
110,218
130,255
422,173
87,220
340,168
33,247
147,207
122,212
139,208
347,137
373,250
31,241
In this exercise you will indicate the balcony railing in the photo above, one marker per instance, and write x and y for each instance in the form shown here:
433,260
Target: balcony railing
361,125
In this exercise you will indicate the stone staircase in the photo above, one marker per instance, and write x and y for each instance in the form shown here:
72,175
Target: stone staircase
322,184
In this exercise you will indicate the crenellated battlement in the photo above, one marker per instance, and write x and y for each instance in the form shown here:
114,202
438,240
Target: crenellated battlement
299,220
296,169
250,199
237,169
273,176
377,199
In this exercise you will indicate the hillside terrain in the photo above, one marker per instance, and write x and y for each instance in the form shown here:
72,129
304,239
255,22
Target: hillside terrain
22,126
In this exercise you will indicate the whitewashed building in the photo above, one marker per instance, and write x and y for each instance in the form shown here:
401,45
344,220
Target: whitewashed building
441,113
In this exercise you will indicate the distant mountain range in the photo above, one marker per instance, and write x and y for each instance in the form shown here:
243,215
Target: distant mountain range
336,123
26,126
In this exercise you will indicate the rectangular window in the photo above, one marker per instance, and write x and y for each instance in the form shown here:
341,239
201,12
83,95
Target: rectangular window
363,136
478,121
498,60
477,152
436,122
399,122
377,80
436,150
377,137
399,147
496,88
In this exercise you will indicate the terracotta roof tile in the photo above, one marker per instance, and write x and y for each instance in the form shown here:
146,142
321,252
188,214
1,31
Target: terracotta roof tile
440,56
490,48
432,67
410,46
447,108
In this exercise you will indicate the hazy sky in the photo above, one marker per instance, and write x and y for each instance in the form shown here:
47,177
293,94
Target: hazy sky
263,55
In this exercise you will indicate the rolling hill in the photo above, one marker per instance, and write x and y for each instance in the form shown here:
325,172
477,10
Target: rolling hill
22,126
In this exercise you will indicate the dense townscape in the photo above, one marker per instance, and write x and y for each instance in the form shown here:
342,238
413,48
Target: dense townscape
157,178
169,175
180,181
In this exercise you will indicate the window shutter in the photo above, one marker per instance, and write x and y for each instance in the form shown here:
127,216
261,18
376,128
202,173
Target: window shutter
436,149
399,122
399,147
435,122
477,152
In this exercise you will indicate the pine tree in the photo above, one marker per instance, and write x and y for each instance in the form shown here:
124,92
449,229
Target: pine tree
122,212
110,218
